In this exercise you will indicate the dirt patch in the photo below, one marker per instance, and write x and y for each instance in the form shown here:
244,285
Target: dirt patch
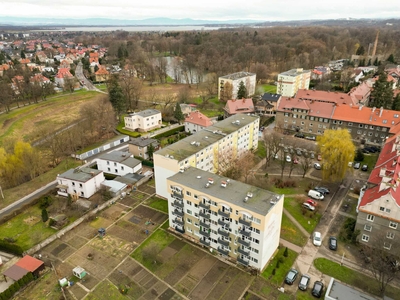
86,231
130,236
167,253
32,220
128,201
112,246
177,244
77,291
113,212
77,241
168,294
147,189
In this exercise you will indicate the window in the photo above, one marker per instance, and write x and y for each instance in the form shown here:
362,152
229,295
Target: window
390,235
350,124
188,202
73,183
188,193
189,221
116,170
365,238
387,210
381,208
122,168
82,194
109,169
80,185
189,211
367,227
115,164
370,218
108,163
387,246
195,196
393,225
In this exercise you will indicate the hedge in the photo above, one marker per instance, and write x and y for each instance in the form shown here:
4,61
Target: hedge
170,132
9,247
16,286
145,162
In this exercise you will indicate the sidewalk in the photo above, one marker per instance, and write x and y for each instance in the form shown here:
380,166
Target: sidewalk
290,245
294,221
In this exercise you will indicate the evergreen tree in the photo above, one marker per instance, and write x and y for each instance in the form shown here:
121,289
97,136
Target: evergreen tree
360,50
178,115
242,91
150,151
116,96
376,62
391,58
23,54
45,215
286,252
396,103
382,94
369,62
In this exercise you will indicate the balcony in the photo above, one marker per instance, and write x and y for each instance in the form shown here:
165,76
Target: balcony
203,205
204,242
180,229
223,232
243,242
245,232
224,213
204,233
243,252
223,251
204,215
223,242
178,203
177,194
243,261
179,221
205,225
245,222
224,223
178,213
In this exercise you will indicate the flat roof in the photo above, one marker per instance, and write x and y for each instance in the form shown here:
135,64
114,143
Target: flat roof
121,157
80,174
295,72
235,192
206,137
146,113
340,291
142,142
237,75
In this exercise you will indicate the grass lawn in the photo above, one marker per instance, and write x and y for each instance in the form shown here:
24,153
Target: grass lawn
351,277
291,233
211,112
102,87
261,152
370,160
27,228
301,185
269,88
148,251
283,268
309,220
158,203
121,130
106,290
16,193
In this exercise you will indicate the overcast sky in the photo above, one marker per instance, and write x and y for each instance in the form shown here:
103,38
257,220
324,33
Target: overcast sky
268,10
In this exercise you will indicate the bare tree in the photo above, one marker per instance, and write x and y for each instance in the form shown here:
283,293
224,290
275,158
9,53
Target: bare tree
132,89
233,166
272,142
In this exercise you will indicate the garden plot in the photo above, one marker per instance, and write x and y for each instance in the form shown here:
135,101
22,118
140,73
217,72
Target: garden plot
113,213
147,189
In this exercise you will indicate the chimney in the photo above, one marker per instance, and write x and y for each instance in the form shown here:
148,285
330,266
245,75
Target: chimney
244,100
380,113
373,109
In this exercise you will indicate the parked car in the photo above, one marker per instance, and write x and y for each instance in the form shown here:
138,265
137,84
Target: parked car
304,282
308,206
291,276
288,158
332,243
262,128
317,239
299,135
312,202
364,168
350,164
318,289
319,157
322,190
312,138
317,166
356,165
312,155
295,160
315,195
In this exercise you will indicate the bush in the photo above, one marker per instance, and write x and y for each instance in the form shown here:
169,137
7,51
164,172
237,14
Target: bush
277,264
9,247
347,232
273,272
281,259
286,252
45,215
170,132
45,202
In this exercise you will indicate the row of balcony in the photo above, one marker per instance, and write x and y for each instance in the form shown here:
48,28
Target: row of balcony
177,203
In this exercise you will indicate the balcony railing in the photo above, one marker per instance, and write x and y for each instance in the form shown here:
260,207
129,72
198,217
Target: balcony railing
223,232
243,261
223,242
223,251
204,242
245,232
203,205
204,233
244,222
178,203
179,221
180,229
177,194
243,252
203,224
204,215
243,242
224,213
178,213
223,223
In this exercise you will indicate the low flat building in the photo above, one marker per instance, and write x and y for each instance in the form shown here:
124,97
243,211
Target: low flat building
118,163
340,291
239,221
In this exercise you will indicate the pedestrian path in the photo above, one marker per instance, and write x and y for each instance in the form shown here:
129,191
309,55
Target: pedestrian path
290,245
294,221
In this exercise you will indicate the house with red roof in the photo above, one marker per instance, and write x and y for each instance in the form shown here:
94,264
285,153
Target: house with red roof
40,79
101,74
361,93
239,106
62,74
25,265
196,121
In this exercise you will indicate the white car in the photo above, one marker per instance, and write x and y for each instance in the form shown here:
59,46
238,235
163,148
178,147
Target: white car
288,158
317,166
308,206
317,239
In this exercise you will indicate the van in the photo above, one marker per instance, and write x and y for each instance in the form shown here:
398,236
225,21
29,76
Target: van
315,195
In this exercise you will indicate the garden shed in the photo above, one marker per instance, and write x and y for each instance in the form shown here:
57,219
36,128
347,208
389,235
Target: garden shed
79,272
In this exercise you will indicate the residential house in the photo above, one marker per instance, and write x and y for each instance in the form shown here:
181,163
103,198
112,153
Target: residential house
268,104
93,58
291,81
239,106
62,74
41,56
361,93
65,64
196,121
187,108
320,72
118,163
101,74
79,182
140,146
248,79
143,121
207,149
240,222
40,79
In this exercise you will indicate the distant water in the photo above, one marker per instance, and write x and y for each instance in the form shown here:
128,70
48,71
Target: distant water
132,28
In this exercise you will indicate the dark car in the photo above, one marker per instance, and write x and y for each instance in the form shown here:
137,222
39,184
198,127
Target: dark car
299,135
304,282
291,276
332,243
322,190
356,165
364,168
318,289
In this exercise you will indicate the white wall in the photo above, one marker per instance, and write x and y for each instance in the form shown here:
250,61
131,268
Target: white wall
121,168
89,188
162,173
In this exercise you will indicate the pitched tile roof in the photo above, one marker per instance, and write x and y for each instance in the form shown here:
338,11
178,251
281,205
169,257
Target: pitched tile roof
324,96
244,105
314,108
29,263
196,117
15,272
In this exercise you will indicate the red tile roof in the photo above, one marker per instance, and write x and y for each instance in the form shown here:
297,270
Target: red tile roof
29,263
102,71
314,108
63,72
198,118
239,106
324,96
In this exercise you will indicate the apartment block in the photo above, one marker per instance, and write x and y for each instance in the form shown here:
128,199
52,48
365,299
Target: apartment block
206,149
291,81
239,221
248,79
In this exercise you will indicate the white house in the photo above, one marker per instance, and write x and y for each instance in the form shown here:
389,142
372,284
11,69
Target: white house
79,182
118,163
143,121
196,121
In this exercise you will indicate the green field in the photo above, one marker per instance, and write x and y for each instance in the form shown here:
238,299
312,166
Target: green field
158,203
308,220
283,268
291,233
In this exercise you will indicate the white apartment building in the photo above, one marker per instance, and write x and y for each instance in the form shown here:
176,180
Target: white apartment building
291,81
239,221
143,121
249,80
205,149
79,182
118,163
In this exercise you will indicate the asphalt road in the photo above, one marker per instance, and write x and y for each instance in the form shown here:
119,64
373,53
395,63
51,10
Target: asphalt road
87,84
